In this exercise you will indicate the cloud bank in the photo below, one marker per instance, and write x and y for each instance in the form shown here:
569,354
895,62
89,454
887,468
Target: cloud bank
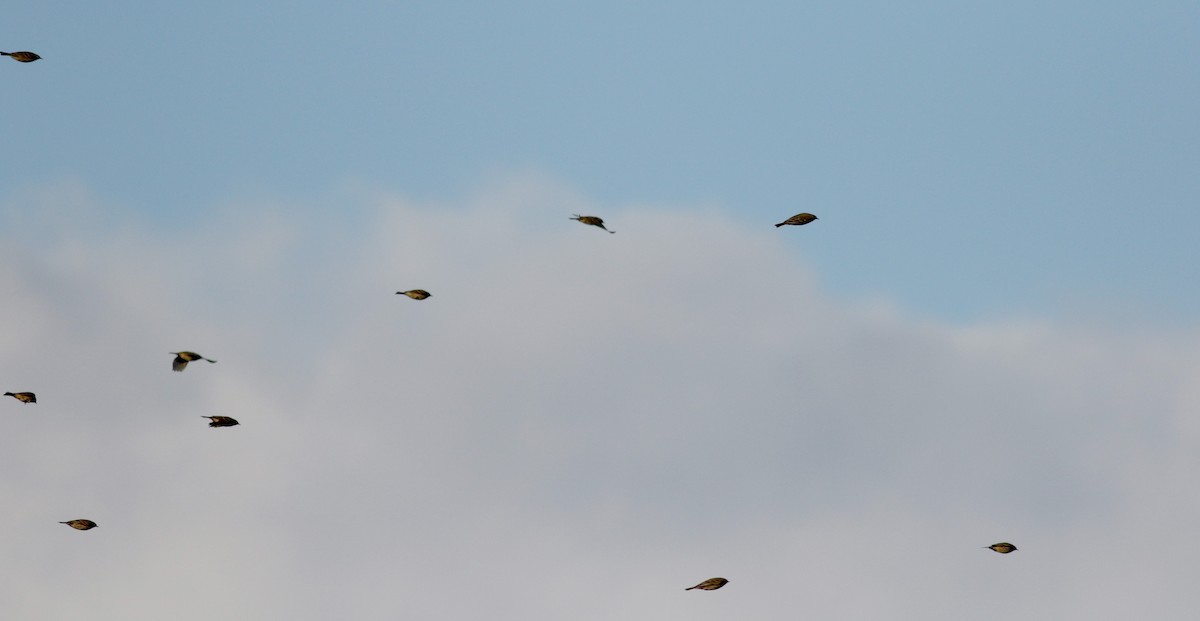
576,425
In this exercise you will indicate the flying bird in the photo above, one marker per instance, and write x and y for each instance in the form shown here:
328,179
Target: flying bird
221,421
23,397
799,219
21,57
712,584
184,357
1003,547
416,294
591,221
80,524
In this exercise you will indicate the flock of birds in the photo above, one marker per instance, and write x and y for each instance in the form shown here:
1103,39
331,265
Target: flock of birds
182,358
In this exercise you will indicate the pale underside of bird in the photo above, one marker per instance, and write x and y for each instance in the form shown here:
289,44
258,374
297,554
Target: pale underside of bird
23,397
416,294
23,57
80,524
182,358
591,221
1003,547
221,421
799,219
711,584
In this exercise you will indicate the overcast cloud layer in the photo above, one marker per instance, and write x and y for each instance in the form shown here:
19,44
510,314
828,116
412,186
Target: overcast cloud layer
575,426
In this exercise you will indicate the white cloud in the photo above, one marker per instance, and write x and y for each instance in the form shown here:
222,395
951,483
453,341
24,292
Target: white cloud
575,425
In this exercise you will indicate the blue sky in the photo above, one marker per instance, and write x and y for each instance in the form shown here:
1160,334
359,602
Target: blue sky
990,334
970,159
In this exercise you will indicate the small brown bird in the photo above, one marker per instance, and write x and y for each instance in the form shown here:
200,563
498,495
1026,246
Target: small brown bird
591,220
416,294
799,219
221,421
80,524
184,357
1003,547
23,397
712,584
21,57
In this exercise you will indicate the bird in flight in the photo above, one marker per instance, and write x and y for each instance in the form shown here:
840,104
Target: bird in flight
1003,547
591,221
80,524
712,584
799,219
184,357
23,397
221,421
21,57
416,294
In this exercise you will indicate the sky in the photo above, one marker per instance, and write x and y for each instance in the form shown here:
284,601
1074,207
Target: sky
989,335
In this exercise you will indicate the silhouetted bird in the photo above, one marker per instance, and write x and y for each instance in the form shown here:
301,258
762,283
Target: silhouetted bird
1003,547
799,219
80,524
712,584
416,294
21,57
591,220
23,397
184,357
221,421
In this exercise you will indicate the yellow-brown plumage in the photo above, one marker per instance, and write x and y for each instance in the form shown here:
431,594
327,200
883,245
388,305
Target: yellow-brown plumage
712,584
21,57
799,219
182,358
591,221
23,397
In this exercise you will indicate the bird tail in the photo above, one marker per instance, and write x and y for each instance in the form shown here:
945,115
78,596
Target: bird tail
779,225
210,360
